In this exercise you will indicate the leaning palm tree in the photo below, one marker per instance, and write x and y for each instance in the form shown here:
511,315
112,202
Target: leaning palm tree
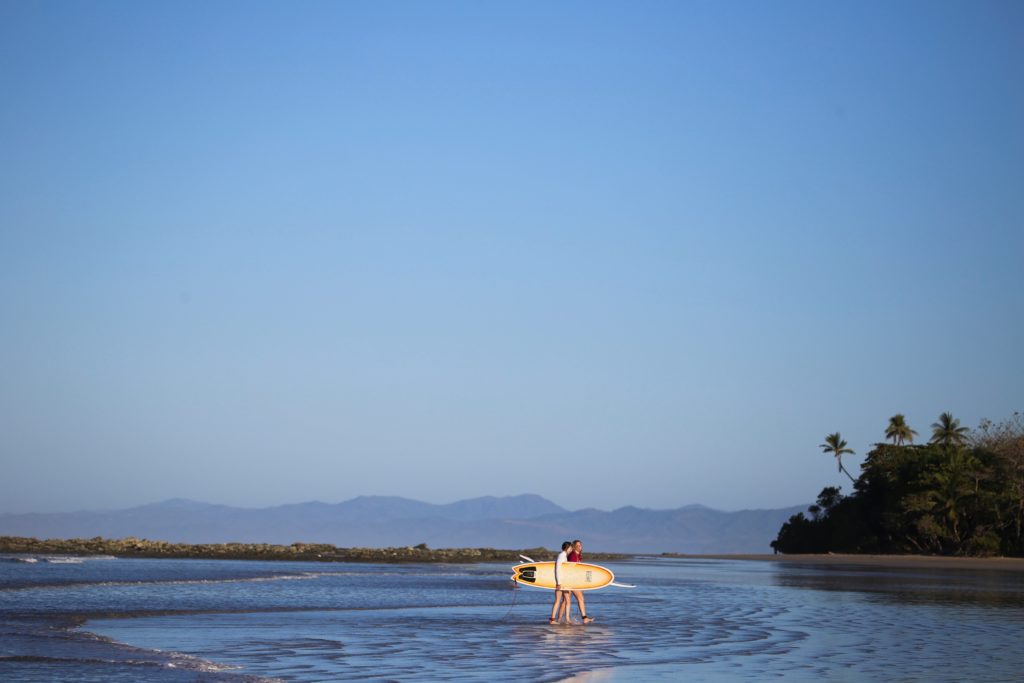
835,445
899,431
948,432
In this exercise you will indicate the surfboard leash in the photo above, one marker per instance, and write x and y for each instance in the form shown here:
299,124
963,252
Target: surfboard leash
515,595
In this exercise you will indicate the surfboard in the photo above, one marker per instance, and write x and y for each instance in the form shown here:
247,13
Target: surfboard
575,575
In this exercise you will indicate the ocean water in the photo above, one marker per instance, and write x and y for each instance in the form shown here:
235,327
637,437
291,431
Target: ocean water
108,619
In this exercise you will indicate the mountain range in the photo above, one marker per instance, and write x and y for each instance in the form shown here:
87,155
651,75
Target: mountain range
524,521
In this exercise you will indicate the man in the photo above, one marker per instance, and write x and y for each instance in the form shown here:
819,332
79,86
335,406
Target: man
560,594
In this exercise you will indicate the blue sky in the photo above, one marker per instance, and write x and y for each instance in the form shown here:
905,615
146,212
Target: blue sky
611,253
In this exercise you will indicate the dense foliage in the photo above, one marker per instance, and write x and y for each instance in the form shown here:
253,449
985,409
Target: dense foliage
961,494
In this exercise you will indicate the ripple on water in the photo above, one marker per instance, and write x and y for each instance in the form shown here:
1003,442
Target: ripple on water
714,621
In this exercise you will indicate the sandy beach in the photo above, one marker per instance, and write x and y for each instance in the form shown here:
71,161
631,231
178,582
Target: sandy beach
911,561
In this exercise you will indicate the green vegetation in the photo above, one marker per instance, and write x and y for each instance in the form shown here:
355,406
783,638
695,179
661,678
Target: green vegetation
835,445
948,432
960,494
899,431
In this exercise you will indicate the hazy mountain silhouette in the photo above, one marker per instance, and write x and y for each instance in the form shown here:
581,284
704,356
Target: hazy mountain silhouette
525,521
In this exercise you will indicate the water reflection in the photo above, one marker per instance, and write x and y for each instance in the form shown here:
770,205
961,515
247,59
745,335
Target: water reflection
990,588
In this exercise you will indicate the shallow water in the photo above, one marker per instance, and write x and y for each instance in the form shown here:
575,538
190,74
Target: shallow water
707,620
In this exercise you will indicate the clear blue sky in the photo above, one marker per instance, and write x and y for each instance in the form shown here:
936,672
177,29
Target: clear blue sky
611,253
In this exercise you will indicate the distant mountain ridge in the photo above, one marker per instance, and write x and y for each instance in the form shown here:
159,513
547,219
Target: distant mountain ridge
524,521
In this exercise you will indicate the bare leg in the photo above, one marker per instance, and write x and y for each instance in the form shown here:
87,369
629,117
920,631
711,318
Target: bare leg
554,608
583,607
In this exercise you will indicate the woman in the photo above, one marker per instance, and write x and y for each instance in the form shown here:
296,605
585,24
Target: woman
576,555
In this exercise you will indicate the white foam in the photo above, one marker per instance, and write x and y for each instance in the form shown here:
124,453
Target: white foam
175,582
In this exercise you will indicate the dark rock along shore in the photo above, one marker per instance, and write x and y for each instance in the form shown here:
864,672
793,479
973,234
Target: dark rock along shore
314,552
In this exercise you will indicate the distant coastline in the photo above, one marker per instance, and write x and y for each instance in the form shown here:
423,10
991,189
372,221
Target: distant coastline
522,521
307,552
319,552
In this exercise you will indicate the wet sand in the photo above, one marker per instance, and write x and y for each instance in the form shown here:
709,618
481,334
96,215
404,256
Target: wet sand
905,561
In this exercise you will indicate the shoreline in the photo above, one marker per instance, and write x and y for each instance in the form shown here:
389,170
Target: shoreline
1015,564
321,552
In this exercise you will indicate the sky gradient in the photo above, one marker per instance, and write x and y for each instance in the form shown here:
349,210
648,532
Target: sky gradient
610,253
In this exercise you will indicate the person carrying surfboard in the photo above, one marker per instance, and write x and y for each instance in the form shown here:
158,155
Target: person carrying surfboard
575,554
560,594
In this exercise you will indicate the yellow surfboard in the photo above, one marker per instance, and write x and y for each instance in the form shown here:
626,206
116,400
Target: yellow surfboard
574,575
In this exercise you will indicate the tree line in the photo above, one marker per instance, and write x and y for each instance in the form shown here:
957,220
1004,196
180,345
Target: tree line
961,493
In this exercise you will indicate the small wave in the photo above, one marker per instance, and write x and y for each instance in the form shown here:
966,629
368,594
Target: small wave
183,661
178,661
55,559
158,582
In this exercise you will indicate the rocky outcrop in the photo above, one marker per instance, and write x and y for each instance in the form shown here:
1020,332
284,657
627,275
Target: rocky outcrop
313,552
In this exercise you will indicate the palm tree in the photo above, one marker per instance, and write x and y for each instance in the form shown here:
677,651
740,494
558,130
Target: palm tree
948,432
899,431
835,445
950,489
